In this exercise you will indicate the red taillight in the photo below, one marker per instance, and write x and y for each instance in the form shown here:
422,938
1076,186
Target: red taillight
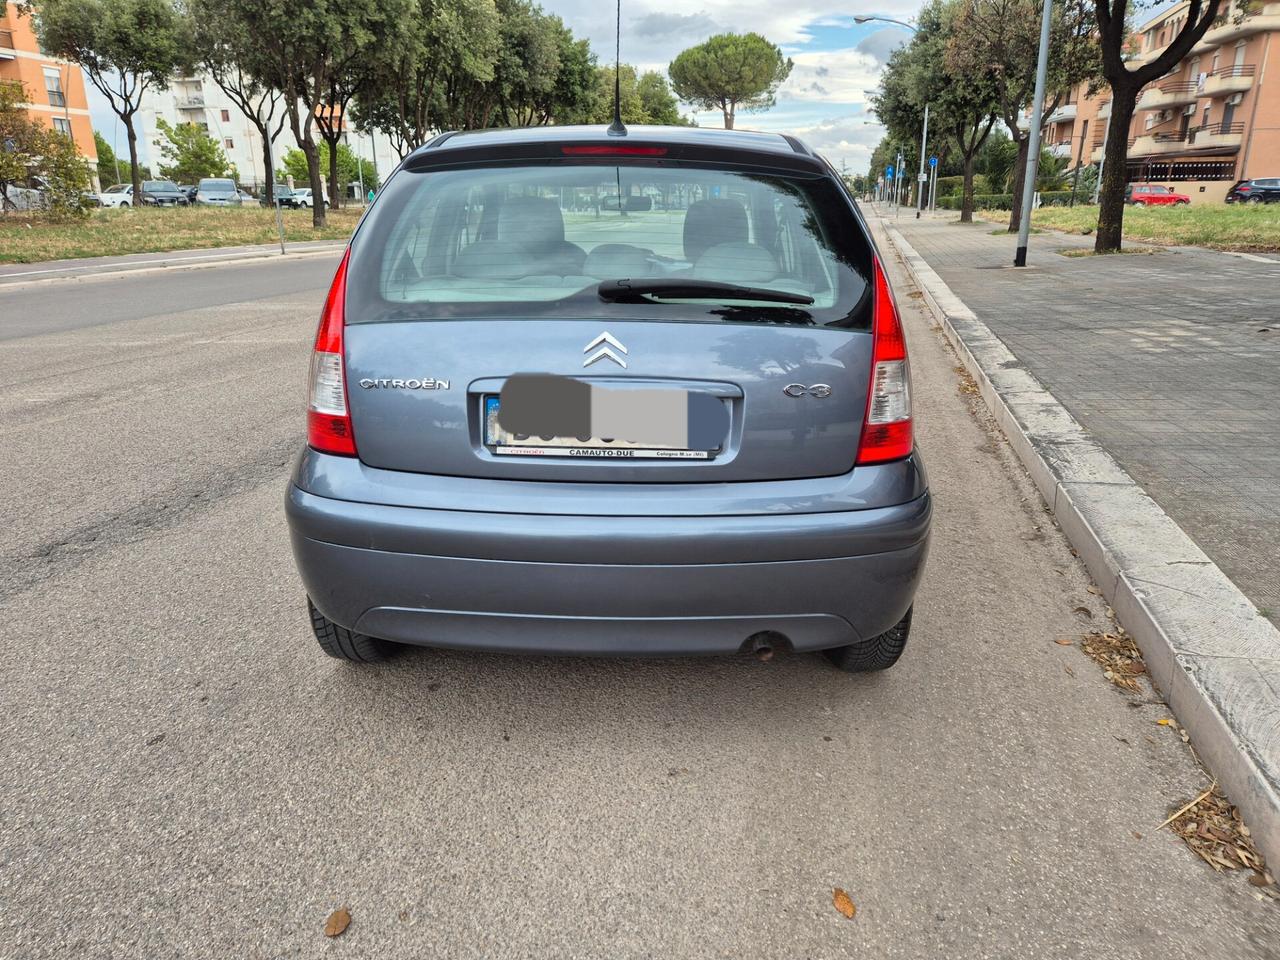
886,431
609,150
328,420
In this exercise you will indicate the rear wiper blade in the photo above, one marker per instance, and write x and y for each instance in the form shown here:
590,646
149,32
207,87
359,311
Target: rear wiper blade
679,288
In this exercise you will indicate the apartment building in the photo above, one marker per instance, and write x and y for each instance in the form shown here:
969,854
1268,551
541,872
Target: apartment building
1212,120
54,88
196,98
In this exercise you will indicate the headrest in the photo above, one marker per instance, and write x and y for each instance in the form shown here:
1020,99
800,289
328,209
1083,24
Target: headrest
617,261
743,263
531,220
711,222
492,260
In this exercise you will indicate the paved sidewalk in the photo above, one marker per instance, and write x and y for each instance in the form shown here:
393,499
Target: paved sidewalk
1171,360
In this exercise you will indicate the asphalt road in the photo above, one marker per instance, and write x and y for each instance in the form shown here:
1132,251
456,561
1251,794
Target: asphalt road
183,774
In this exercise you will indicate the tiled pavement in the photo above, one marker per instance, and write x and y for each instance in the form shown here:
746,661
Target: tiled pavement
1171,360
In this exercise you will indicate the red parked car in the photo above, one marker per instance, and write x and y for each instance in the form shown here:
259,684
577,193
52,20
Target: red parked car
1144,194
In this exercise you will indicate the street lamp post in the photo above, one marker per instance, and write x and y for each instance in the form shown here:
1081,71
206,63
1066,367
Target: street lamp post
1033,146
924,133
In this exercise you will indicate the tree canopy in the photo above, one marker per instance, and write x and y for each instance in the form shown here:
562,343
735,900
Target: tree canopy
728,72
962,101
124,46
188,153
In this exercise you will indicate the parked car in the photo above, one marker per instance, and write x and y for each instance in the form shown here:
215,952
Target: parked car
188,191
284,195
302,198
155,193
1264,190
117,195
247,197
673,436
1154,195
163,193
217,192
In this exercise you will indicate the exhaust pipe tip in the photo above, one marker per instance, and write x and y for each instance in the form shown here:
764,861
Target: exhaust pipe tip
765,645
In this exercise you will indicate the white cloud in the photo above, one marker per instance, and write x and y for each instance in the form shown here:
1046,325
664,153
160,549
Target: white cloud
831,76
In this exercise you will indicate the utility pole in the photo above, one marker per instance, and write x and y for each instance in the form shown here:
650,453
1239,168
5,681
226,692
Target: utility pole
921,179
1033,145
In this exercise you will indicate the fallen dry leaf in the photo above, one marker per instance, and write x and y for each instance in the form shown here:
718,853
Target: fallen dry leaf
841,901
338,921
1164,721
1064,641
1213,829
1117,654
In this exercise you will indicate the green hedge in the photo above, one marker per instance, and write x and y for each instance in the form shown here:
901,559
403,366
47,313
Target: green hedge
954,186
1004,201
981,201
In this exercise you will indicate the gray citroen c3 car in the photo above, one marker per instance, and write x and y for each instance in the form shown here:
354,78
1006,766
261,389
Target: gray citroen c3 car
643,395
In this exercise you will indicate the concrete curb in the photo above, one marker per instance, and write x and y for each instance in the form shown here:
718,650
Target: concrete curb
191,260
1215,658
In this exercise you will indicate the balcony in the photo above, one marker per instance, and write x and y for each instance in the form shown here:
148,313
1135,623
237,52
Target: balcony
1225,81
1268,18
1169,93
1222,136
190,103
1066,111
1104,111
1098,144
6,44
1158,144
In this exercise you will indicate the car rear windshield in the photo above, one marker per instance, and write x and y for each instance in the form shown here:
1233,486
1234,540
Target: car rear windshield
547,240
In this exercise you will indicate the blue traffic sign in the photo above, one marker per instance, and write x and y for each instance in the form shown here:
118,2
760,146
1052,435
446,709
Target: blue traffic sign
933,161
888,171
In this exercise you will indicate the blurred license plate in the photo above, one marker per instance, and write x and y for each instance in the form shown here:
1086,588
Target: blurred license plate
507,444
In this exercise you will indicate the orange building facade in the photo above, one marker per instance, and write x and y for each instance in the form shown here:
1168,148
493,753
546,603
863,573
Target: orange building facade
54,88
1212,120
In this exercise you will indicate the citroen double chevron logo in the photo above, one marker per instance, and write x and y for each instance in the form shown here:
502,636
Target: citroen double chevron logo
605,341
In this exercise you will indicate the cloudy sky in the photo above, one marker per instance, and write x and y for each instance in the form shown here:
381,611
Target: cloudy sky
836,61
824,101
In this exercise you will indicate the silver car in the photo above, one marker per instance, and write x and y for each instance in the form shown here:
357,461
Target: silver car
575,393
217,192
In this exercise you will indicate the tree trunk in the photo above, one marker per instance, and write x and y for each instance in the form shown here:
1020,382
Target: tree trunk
1115,172
268,191
317,182
728,116
1019,180
135,172
966,200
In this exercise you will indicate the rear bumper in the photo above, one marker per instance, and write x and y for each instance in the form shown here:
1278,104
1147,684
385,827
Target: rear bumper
621,585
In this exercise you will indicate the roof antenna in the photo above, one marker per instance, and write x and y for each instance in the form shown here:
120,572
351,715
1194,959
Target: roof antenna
616,129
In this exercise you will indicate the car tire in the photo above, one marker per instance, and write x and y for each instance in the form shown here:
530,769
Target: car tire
1180,203
878,653
342,644
1254,200
124,203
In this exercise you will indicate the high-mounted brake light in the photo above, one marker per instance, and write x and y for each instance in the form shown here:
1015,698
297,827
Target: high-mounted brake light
609,150
886,431
328,420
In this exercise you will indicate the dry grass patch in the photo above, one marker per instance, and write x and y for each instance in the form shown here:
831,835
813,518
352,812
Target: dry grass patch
1249,228
35,239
